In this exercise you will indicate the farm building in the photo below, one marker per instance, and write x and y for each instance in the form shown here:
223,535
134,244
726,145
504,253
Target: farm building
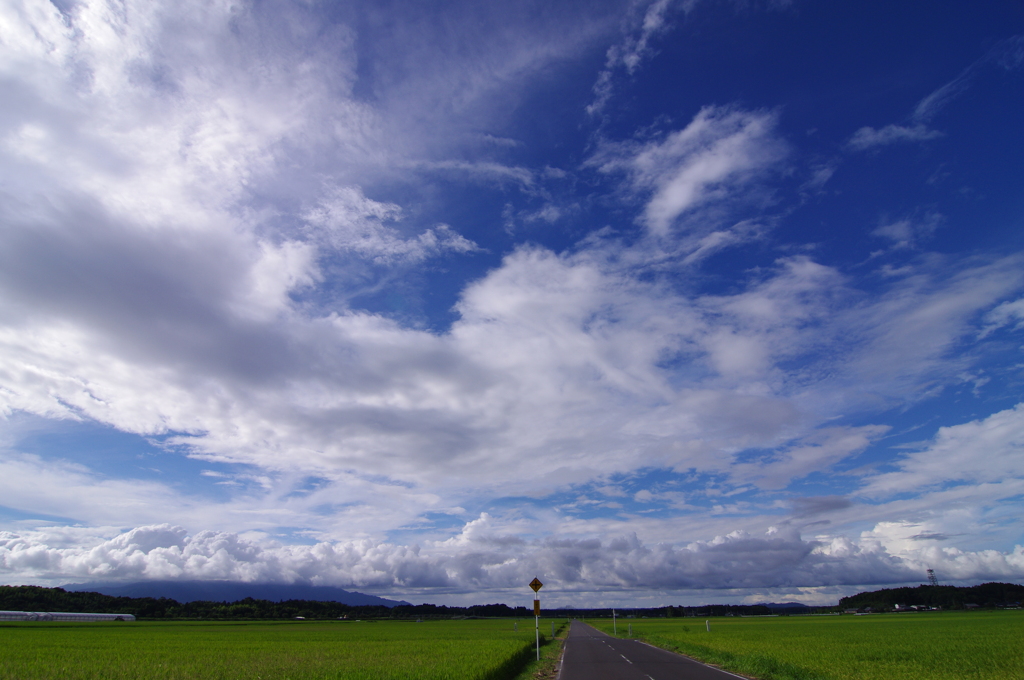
62,616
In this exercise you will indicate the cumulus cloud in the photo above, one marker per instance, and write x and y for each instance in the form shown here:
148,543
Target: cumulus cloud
918,549
482,557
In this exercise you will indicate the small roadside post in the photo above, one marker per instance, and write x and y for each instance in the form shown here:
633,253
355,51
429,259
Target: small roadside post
536,585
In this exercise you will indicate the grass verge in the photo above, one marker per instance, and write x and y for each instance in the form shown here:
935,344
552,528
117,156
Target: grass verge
756,666
550,655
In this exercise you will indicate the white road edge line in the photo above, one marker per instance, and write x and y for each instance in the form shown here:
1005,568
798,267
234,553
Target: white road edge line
561,659
693,660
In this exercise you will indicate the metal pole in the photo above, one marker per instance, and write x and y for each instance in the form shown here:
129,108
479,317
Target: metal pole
615,630
536,609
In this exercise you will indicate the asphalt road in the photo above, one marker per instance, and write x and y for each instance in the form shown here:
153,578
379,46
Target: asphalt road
592,655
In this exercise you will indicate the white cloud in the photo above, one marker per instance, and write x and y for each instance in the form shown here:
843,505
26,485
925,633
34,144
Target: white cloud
634,48
744,231
1005,314
817,452
868,137
820,175
906,233
981,451
905,338
653,24
168,237
1006,53
720,151
481,172
163,130
550,354
62,488
347,220
550,213
337,504
559,368
920,548
485,557
928,107
278,271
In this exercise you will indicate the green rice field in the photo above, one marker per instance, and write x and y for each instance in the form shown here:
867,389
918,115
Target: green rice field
299,650
985,645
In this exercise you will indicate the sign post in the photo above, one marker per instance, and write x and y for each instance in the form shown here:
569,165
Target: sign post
536,585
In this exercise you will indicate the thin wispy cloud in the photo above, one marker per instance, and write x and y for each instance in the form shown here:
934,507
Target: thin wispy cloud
1007,55
868,137
718,152
631,52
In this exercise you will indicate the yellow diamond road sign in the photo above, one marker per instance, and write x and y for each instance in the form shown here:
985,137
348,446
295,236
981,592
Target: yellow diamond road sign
536,585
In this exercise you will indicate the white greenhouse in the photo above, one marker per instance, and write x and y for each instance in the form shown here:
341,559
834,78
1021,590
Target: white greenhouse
62,616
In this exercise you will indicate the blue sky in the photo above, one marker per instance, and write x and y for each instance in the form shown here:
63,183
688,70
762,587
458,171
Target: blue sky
664,303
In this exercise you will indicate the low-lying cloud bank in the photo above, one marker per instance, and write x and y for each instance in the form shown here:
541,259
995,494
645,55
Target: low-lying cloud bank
480,559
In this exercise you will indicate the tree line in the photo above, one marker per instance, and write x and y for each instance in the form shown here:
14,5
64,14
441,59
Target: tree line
37,598
986,595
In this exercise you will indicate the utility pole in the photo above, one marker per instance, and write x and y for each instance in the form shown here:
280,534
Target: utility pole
536,585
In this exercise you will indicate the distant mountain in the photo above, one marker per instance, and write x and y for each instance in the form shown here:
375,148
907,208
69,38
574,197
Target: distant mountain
232,591
786,606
